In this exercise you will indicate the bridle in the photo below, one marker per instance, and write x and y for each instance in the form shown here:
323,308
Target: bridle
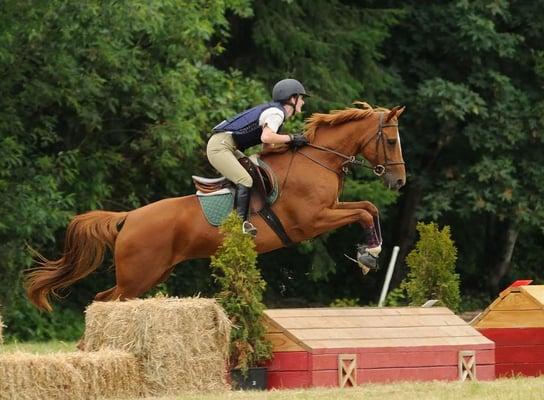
378,169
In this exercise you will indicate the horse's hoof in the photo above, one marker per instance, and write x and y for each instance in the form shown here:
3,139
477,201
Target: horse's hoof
367,260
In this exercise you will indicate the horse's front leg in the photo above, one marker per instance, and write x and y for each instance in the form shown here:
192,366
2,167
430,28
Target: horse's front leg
332,218
374,234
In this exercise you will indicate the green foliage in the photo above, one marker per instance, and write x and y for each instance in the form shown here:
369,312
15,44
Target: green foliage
396,297
432,268
345,302
25,323
235,269
104,105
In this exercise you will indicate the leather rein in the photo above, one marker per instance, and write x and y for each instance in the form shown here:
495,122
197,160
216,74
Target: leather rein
378,169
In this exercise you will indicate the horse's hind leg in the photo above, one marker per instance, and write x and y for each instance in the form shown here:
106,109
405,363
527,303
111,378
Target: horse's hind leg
106,295
136,273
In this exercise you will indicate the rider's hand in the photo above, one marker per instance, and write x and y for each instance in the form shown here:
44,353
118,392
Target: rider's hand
297,141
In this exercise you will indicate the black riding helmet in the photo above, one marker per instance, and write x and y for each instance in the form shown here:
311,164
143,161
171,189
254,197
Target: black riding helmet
286,88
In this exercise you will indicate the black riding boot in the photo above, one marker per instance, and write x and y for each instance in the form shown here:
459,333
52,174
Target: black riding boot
243,195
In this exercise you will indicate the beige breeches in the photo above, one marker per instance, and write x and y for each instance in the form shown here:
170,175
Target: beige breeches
220,152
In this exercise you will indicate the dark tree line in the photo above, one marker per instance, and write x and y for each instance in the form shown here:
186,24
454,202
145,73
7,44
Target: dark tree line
108,105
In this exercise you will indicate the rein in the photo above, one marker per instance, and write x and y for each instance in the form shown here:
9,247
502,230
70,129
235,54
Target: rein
378,169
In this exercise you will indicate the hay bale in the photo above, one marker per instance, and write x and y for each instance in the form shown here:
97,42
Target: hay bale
182,343
70,376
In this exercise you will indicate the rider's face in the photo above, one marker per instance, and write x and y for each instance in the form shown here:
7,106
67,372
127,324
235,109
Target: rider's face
299,104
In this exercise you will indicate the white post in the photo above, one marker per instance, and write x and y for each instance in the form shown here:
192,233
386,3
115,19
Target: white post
388,275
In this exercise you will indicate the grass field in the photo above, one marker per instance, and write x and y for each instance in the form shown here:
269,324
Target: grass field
502,389
44,347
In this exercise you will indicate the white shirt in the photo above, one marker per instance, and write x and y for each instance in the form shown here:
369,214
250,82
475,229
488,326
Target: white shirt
271,117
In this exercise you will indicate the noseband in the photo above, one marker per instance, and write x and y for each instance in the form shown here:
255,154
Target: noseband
378,169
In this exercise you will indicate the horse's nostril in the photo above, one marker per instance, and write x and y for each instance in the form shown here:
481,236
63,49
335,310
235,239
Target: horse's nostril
400,183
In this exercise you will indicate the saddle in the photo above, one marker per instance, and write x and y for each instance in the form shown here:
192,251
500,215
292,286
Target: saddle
264,192
264,183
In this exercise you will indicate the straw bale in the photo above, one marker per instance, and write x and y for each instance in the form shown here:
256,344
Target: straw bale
70,376
182,343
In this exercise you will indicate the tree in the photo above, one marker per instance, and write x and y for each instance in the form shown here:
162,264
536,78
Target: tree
235,269
468,74
104,105
432,268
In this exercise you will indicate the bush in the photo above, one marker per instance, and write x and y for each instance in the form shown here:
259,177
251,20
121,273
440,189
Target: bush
432,268
345,302
235,269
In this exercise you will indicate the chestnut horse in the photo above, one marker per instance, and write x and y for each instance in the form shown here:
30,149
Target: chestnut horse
149,241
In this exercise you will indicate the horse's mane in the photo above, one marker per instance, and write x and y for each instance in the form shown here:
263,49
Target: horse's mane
337,117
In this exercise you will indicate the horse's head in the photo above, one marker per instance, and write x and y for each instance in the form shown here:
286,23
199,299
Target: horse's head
383,149
364,130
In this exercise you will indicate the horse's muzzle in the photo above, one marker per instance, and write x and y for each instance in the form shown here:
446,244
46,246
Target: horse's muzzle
393,182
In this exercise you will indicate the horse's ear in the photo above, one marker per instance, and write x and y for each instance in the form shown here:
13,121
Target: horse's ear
395,112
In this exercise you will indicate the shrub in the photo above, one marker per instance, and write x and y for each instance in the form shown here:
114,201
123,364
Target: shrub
235,269
432,268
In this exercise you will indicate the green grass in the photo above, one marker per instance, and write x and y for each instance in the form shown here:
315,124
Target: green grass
502,389
39,347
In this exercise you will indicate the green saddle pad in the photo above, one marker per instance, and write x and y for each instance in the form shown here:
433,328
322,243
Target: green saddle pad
216,207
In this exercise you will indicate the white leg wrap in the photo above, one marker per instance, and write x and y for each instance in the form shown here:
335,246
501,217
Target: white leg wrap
375,251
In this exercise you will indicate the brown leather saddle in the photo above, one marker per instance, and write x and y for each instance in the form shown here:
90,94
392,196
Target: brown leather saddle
264,183
264,192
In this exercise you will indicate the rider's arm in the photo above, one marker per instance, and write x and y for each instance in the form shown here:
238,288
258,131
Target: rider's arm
271,137
271,120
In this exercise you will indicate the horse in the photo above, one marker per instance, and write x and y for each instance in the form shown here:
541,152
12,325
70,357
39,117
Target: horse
148,242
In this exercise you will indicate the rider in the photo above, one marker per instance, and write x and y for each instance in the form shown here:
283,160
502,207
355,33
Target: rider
257,125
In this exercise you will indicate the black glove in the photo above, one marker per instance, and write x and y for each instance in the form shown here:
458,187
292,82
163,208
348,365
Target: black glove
297,141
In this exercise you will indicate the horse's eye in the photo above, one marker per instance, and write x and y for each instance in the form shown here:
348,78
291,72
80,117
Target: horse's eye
391,141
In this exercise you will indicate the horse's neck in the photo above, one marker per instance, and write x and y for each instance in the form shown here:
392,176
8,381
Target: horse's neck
345,139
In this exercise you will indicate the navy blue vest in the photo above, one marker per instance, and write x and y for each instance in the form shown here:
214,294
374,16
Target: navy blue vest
245,128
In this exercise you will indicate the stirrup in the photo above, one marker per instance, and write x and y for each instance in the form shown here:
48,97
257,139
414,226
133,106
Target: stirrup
249,229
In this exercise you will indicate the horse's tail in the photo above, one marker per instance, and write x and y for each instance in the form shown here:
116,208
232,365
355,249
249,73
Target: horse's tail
86,239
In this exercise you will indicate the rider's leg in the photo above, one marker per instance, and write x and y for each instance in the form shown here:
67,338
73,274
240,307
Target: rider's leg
220,152
243,196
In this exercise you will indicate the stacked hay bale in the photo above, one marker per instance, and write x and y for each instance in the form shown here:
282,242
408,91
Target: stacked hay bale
182,344
70,376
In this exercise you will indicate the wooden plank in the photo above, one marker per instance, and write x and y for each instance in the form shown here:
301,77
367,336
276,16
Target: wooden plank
519,354
328,378
393,342
508,290
271,327
289,361
486,372
514,369
514,336
513,319
398,321
515,302
488,345
355,311
535,292
383,333
281,342
347,370
392,359
288,379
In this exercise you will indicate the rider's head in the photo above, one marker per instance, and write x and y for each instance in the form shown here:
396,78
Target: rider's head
290,93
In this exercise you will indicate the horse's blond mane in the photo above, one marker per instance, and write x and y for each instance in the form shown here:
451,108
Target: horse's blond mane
337,117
